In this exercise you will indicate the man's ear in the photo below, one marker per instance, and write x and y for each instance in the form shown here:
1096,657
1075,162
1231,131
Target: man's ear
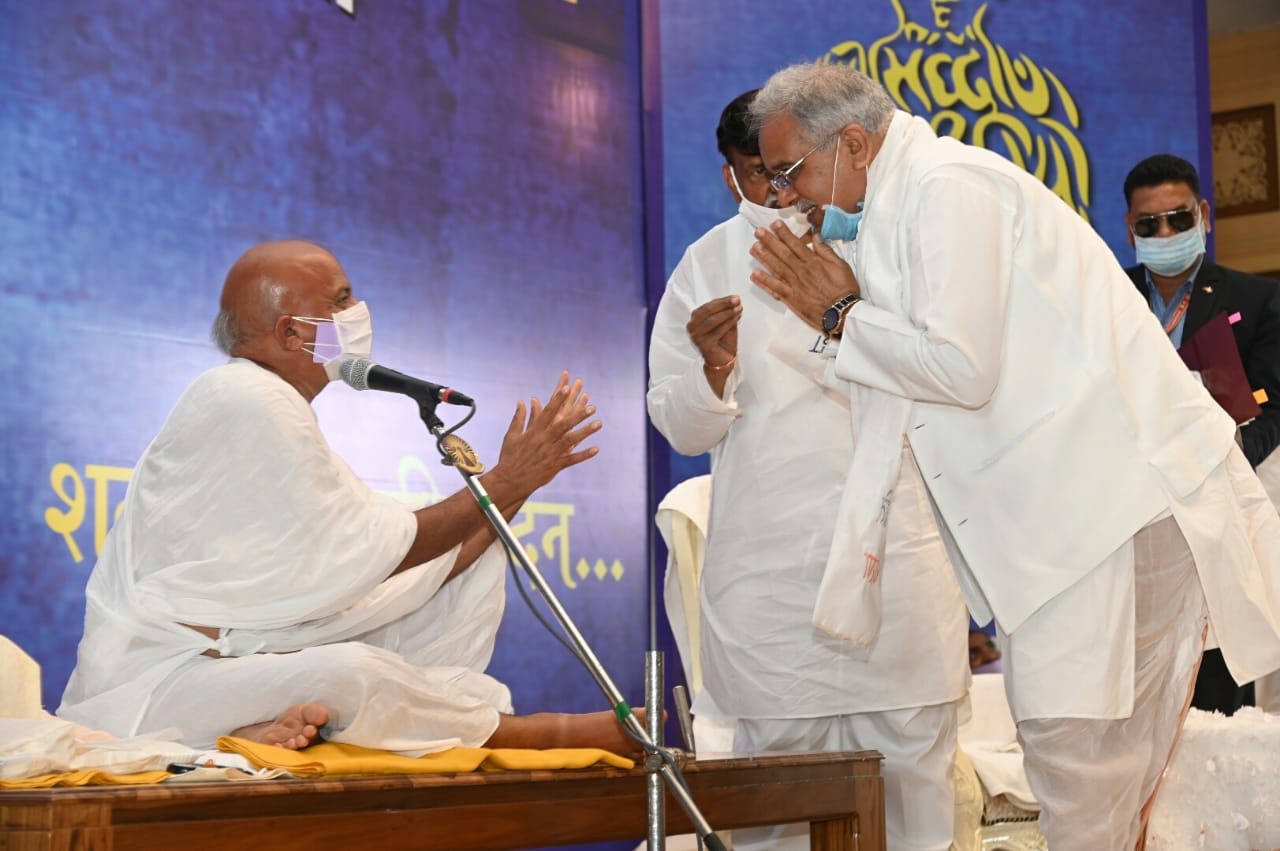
286,334
728,182
1128,230
857,141
1204,215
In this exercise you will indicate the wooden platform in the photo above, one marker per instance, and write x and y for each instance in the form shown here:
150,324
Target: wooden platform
840,795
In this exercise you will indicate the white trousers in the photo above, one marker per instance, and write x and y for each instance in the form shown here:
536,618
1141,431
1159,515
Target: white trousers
1093,775
919,747
414,685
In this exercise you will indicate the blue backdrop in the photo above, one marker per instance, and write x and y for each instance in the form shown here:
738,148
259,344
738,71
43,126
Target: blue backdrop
475,166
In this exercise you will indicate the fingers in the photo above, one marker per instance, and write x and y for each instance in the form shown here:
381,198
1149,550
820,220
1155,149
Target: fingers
782,257
573,438
582,409
571,419
767,251
717,310
554,401
578,457
703,337
559,442
773,285
712,315
794,245
565,393
569,400
568,406
517,420
562,424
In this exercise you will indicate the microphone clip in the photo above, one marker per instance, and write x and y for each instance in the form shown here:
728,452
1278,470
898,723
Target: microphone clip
458,453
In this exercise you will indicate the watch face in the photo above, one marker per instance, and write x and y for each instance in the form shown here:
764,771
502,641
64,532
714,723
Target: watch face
830,320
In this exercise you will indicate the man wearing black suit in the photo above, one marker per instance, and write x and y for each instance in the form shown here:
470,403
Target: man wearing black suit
1167,222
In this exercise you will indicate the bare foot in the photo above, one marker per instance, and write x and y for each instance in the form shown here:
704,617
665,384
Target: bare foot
297,727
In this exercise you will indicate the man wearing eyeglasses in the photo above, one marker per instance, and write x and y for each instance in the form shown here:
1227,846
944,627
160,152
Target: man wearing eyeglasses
735,374
1167,222
1090,491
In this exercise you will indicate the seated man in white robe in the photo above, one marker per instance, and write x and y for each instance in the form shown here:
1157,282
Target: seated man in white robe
253,586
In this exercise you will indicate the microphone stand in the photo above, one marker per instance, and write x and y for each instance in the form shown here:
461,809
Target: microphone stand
457,453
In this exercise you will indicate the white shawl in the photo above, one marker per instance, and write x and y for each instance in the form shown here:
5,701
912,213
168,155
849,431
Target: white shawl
848,604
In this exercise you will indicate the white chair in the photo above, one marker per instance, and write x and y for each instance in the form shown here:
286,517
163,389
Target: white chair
682,518
991,759
20,696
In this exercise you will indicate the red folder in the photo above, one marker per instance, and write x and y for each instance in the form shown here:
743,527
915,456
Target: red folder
1212,352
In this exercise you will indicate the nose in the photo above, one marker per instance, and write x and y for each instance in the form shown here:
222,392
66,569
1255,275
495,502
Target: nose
788,196
1165,228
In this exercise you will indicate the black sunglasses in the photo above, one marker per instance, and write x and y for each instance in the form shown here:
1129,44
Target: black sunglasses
1179,220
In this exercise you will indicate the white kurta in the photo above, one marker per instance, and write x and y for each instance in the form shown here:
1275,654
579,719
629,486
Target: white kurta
1052,420
240,517
780,446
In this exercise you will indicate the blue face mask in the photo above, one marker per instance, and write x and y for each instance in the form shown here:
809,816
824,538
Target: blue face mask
1171,255
837,224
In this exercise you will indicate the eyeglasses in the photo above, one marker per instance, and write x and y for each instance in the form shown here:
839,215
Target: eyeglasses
782,180
1179,220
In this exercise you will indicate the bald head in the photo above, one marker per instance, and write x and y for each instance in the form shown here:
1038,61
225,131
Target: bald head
268,280
267,296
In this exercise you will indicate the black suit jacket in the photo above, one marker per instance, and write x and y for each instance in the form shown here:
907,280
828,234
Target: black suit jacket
1257,300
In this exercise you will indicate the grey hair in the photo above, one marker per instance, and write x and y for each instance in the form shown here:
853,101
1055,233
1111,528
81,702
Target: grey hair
226,331
232,327
823,98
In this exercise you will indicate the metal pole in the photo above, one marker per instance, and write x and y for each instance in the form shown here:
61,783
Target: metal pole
625,716
653,676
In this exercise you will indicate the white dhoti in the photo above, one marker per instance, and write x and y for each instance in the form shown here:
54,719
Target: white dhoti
919,747
414,685
1093,773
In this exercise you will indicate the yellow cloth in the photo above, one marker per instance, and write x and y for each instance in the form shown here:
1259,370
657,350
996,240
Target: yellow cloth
85,777
331,758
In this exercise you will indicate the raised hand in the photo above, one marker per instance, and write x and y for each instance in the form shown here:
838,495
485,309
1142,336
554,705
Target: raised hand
540,442
543,440
807,281
713,328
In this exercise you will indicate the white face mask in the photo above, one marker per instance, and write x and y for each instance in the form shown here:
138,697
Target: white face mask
348,334
761,217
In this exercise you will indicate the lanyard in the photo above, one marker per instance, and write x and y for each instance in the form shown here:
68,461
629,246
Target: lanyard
1178,314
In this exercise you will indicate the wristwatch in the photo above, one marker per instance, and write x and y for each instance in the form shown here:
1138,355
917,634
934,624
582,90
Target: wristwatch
833,319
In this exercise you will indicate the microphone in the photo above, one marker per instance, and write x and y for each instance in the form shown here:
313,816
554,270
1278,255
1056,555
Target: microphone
364,374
